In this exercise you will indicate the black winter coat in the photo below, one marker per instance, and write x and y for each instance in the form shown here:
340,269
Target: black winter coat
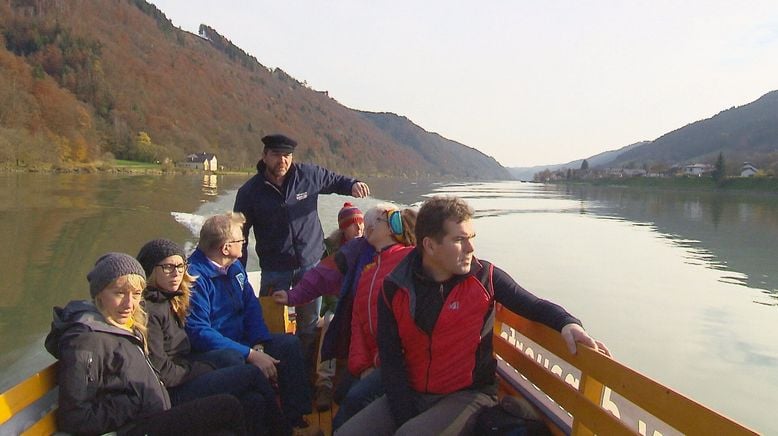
169,345
106,382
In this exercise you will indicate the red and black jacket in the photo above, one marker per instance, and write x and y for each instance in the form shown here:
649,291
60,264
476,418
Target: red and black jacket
436,338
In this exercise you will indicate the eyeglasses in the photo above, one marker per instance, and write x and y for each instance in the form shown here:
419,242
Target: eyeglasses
236,241
168,268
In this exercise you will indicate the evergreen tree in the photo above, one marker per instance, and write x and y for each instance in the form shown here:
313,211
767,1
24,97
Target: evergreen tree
585,165
720,171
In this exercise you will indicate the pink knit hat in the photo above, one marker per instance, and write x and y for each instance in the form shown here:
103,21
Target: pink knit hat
348,215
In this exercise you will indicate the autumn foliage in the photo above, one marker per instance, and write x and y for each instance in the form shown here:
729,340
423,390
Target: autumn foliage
83,78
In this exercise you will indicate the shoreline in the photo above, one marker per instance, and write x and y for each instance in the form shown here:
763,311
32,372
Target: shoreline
734,185
116,169
158,170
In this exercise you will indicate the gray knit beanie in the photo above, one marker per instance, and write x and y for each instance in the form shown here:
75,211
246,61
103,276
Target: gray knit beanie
110,267
154,251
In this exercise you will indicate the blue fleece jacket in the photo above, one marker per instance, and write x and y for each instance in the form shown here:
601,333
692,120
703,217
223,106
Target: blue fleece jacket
223,311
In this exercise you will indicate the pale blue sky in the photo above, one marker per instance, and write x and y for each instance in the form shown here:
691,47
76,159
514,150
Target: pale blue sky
527,82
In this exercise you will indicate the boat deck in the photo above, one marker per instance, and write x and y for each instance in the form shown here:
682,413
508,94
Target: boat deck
582,394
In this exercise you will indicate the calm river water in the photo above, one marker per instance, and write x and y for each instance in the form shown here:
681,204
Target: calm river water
683,287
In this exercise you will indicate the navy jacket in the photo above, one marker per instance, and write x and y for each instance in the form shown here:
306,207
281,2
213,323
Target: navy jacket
286,219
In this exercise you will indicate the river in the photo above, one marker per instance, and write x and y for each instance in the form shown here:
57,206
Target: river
681,286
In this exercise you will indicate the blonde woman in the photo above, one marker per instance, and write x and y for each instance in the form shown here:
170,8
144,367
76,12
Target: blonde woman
190,376
106,383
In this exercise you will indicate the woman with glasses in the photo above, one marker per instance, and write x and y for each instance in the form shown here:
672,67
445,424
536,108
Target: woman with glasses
106,384
358,270
189,376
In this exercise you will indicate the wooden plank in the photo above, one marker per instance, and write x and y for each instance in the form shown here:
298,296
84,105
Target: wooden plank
26,392
676,410
46,426
594,417
275,315
323,419
592,390
514,385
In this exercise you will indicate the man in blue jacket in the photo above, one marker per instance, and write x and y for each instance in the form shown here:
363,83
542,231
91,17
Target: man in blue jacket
280,203
225,313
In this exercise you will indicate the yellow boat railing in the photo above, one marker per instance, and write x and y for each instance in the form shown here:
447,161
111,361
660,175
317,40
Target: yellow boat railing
591,393
28,408
582,394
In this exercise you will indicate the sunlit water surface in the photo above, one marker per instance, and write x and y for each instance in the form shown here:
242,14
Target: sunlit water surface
681,286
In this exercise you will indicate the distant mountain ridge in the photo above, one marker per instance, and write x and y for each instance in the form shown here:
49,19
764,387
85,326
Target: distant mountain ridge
598,160
468,161
89,77
744,133
747,133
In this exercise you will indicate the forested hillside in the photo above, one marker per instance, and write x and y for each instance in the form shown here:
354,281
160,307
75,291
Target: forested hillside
87,80
744,133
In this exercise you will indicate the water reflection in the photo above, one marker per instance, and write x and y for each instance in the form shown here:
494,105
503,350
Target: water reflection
668,280
210,185
736,232
54,226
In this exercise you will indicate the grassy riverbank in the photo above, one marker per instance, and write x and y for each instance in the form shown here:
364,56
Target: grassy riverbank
116,166
751,184
136,167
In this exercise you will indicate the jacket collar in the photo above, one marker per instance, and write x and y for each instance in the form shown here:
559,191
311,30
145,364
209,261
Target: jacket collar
261,172
158,295
208,267
410,270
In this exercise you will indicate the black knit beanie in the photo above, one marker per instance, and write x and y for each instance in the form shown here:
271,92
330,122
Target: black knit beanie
156,250
110,267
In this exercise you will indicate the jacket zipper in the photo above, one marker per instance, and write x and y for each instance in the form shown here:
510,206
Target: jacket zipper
156,375
429,363
429,348
291,229
148,362
370,296
429,335
89,362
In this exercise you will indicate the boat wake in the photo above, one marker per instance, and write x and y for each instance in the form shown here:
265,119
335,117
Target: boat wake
191,221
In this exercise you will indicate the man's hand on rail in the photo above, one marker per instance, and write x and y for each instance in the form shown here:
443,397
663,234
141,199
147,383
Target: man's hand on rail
573,333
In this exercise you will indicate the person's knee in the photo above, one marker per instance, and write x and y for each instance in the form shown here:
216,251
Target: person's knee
284,341
230,357
284,347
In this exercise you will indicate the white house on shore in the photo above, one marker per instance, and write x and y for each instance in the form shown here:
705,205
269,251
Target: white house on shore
748,170
697,169
200,161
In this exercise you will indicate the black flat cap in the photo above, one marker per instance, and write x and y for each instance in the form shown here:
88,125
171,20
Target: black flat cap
279,142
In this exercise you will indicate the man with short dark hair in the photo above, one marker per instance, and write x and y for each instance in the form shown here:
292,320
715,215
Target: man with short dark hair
435,319
280,203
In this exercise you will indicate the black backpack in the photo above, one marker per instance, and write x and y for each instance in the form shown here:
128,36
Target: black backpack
510,417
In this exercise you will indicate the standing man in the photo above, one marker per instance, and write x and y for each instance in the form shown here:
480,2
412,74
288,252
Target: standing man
281,203
435,320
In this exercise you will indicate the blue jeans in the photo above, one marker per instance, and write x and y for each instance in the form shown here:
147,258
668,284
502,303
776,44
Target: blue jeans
219,358
360,394
293,386
248,384
306,315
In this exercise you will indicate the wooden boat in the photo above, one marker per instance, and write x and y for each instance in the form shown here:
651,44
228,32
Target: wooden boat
582,394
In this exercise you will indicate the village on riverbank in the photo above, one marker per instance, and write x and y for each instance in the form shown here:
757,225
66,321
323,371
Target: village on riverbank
694,176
